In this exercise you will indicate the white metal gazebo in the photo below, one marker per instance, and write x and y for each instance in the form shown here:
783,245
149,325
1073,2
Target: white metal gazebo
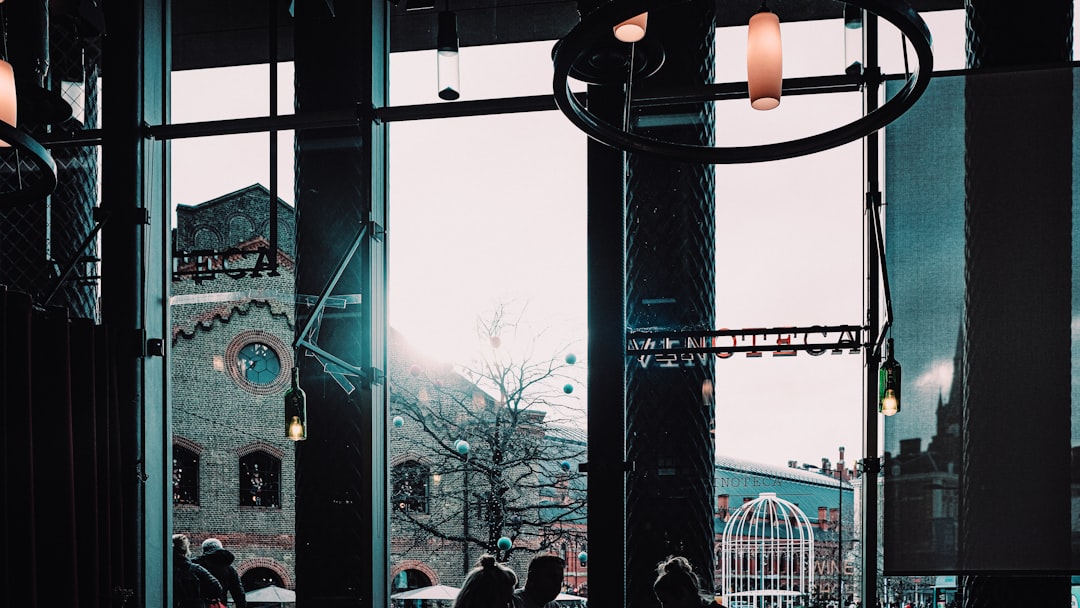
767,555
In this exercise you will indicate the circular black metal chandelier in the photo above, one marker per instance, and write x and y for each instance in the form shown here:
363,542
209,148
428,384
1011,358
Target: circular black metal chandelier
44,176
575,55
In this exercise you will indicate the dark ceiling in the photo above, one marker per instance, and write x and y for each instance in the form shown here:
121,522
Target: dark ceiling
208,33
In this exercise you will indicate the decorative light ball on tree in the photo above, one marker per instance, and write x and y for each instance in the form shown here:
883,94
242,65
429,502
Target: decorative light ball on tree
496,341
568,388
462,447
505,543
571,358
414,370
564,465
399,422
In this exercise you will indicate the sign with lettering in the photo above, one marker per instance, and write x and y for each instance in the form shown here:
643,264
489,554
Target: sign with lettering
686,349
207,264
765,483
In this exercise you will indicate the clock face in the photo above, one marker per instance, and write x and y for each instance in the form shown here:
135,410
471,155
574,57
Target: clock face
258,363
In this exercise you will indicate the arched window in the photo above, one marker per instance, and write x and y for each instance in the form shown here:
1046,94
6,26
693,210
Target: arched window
240,230
260,473
410,487
409,579
257,578
185,476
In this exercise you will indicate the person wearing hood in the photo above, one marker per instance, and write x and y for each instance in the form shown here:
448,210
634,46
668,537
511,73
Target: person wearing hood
218,561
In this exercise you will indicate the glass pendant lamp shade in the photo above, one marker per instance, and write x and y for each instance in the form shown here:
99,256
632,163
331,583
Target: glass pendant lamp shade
852,39
889,383
295,409
449,70
764,60
633,29
8,103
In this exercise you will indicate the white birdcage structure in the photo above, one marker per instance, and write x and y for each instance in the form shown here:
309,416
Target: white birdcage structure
767,555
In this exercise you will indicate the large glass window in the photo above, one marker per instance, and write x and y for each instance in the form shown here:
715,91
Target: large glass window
487,317
488,288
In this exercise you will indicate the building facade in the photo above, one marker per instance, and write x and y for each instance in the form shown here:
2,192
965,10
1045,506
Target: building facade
233,321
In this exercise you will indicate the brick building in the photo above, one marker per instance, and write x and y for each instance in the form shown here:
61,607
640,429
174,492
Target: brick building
233,313
233,469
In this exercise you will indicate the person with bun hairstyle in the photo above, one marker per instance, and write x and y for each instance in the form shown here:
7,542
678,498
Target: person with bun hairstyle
677,586
193,585
488,585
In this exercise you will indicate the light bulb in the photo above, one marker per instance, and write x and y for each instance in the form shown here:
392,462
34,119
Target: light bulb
889,403
296,429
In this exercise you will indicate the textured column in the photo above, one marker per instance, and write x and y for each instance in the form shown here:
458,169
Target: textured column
607,355
341,475
671,286
1018,229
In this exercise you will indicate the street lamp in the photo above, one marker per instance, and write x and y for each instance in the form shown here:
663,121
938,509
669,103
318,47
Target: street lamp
462,448
840,530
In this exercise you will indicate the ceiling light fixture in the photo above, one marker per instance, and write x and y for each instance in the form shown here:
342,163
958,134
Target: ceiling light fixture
575,55
449,69
295,409
764,60
633,29
889,383
8,102
44,181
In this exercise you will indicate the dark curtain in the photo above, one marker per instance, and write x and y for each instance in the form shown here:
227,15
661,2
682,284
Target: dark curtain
61,459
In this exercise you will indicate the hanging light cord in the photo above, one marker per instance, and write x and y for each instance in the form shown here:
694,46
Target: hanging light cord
3,33
629,88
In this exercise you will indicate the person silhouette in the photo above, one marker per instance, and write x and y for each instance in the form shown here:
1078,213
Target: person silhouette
218,561
488,585
676,585
542,584
193,585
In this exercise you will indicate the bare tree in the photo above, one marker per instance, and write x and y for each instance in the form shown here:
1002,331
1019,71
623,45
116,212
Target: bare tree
480,453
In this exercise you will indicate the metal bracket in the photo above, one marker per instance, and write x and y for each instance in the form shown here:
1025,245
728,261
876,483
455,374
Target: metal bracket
627,467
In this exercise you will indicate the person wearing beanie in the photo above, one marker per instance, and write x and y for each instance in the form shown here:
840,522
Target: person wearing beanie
193,585
218,560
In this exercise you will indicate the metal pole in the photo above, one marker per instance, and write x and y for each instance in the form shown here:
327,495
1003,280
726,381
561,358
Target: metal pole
465,522
871,447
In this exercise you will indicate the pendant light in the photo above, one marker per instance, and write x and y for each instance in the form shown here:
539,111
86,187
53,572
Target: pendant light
8,103
889,383
633,29
764,59
296,409
447,40
853,20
